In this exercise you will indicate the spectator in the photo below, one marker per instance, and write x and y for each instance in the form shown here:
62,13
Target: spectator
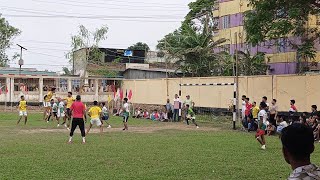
281,123
270,129
243,109
314,111
176,108
253,125
247,113
297,147
137,113
145,114
265,99
169,110
155,115
303,120
293,108
273,112
163,116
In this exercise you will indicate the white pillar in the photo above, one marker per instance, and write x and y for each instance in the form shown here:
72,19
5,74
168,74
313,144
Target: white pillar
11,90
41,89
69,85
96,89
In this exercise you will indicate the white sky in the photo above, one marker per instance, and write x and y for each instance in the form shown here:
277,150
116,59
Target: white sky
48,39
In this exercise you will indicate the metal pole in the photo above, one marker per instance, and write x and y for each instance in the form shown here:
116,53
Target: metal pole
234,113
237,76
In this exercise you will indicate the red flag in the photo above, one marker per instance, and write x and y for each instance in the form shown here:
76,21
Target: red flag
121,94
130,94
114,91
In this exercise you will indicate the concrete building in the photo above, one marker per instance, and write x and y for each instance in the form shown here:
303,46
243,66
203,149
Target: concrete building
229,19
35,84
146,73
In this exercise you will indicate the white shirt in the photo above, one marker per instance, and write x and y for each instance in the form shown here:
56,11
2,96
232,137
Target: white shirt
264,115
126,107
54,107
176,103
104,111
283,124
61,106
243,107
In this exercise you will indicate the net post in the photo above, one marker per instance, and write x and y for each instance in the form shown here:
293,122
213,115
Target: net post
234,113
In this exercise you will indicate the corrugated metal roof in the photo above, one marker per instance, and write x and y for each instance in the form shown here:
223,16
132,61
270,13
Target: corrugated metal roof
27,72
154,70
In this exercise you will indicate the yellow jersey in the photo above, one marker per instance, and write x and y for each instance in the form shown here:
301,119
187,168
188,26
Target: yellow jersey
23,105
69,100
255,112
49,96
95,112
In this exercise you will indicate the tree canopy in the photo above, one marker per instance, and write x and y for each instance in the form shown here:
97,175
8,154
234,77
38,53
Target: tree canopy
140,46
7,33
275,19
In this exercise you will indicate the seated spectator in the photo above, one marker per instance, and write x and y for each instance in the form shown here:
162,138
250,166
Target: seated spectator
162,116
303,119
297,147
281,123
155,115
146,114
270,129
137,113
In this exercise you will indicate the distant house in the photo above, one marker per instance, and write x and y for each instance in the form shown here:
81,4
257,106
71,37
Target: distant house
109,55
140,73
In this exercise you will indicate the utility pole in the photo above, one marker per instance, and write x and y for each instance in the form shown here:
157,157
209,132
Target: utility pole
21,60
237,75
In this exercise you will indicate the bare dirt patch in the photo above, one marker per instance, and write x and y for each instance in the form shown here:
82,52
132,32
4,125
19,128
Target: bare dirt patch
134,129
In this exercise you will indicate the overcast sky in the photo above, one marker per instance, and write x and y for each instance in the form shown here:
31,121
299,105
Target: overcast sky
48,38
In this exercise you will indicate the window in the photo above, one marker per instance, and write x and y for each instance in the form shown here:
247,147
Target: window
282,44
225,22
318,20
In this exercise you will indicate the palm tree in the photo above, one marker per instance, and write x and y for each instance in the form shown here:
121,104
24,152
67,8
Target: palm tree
252,65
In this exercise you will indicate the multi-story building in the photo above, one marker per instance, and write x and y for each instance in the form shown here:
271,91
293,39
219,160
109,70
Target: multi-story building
281,58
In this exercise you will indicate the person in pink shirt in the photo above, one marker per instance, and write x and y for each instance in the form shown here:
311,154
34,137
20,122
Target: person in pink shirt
78,111
176,108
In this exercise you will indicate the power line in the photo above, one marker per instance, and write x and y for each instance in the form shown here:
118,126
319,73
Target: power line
88,17
101,7
33,11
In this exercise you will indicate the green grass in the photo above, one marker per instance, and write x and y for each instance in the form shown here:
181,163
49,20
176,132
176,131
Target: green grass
164,154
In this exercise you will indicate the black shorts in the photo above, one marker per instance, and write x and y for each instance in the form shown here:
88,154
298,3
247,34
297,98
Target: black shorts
68,112
54,114
125,119
105,118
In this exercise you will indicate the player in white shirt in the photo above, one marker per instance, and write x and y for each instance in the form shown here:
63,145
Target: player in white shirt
262,117
61,110
125,113
105,115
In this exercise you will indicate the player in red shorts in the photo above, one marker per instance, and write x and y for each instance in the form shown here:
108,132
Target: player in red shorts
262,119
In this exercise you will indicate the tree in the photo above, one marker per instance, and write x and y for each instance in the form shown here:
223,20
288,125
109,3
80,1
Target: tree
7,33
194,50
140,46
89,41
66,71
252,65
274,19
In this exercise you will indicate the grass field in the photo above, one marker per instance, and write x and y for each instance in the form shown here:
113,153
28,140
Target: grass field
149,150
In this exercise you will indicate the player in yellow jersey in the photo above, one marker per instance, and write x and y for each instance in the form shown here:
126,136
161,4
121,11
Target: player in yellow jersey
47,104
95,114
23,110
69,101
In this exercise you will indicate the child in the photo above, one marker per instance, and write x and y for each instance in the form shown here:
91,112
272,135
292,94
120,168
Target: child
145,114
293,108
55,110
95,114
23,110
281,123
61,112
262,116
105,114
154,116
125,113
270,129
191,116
